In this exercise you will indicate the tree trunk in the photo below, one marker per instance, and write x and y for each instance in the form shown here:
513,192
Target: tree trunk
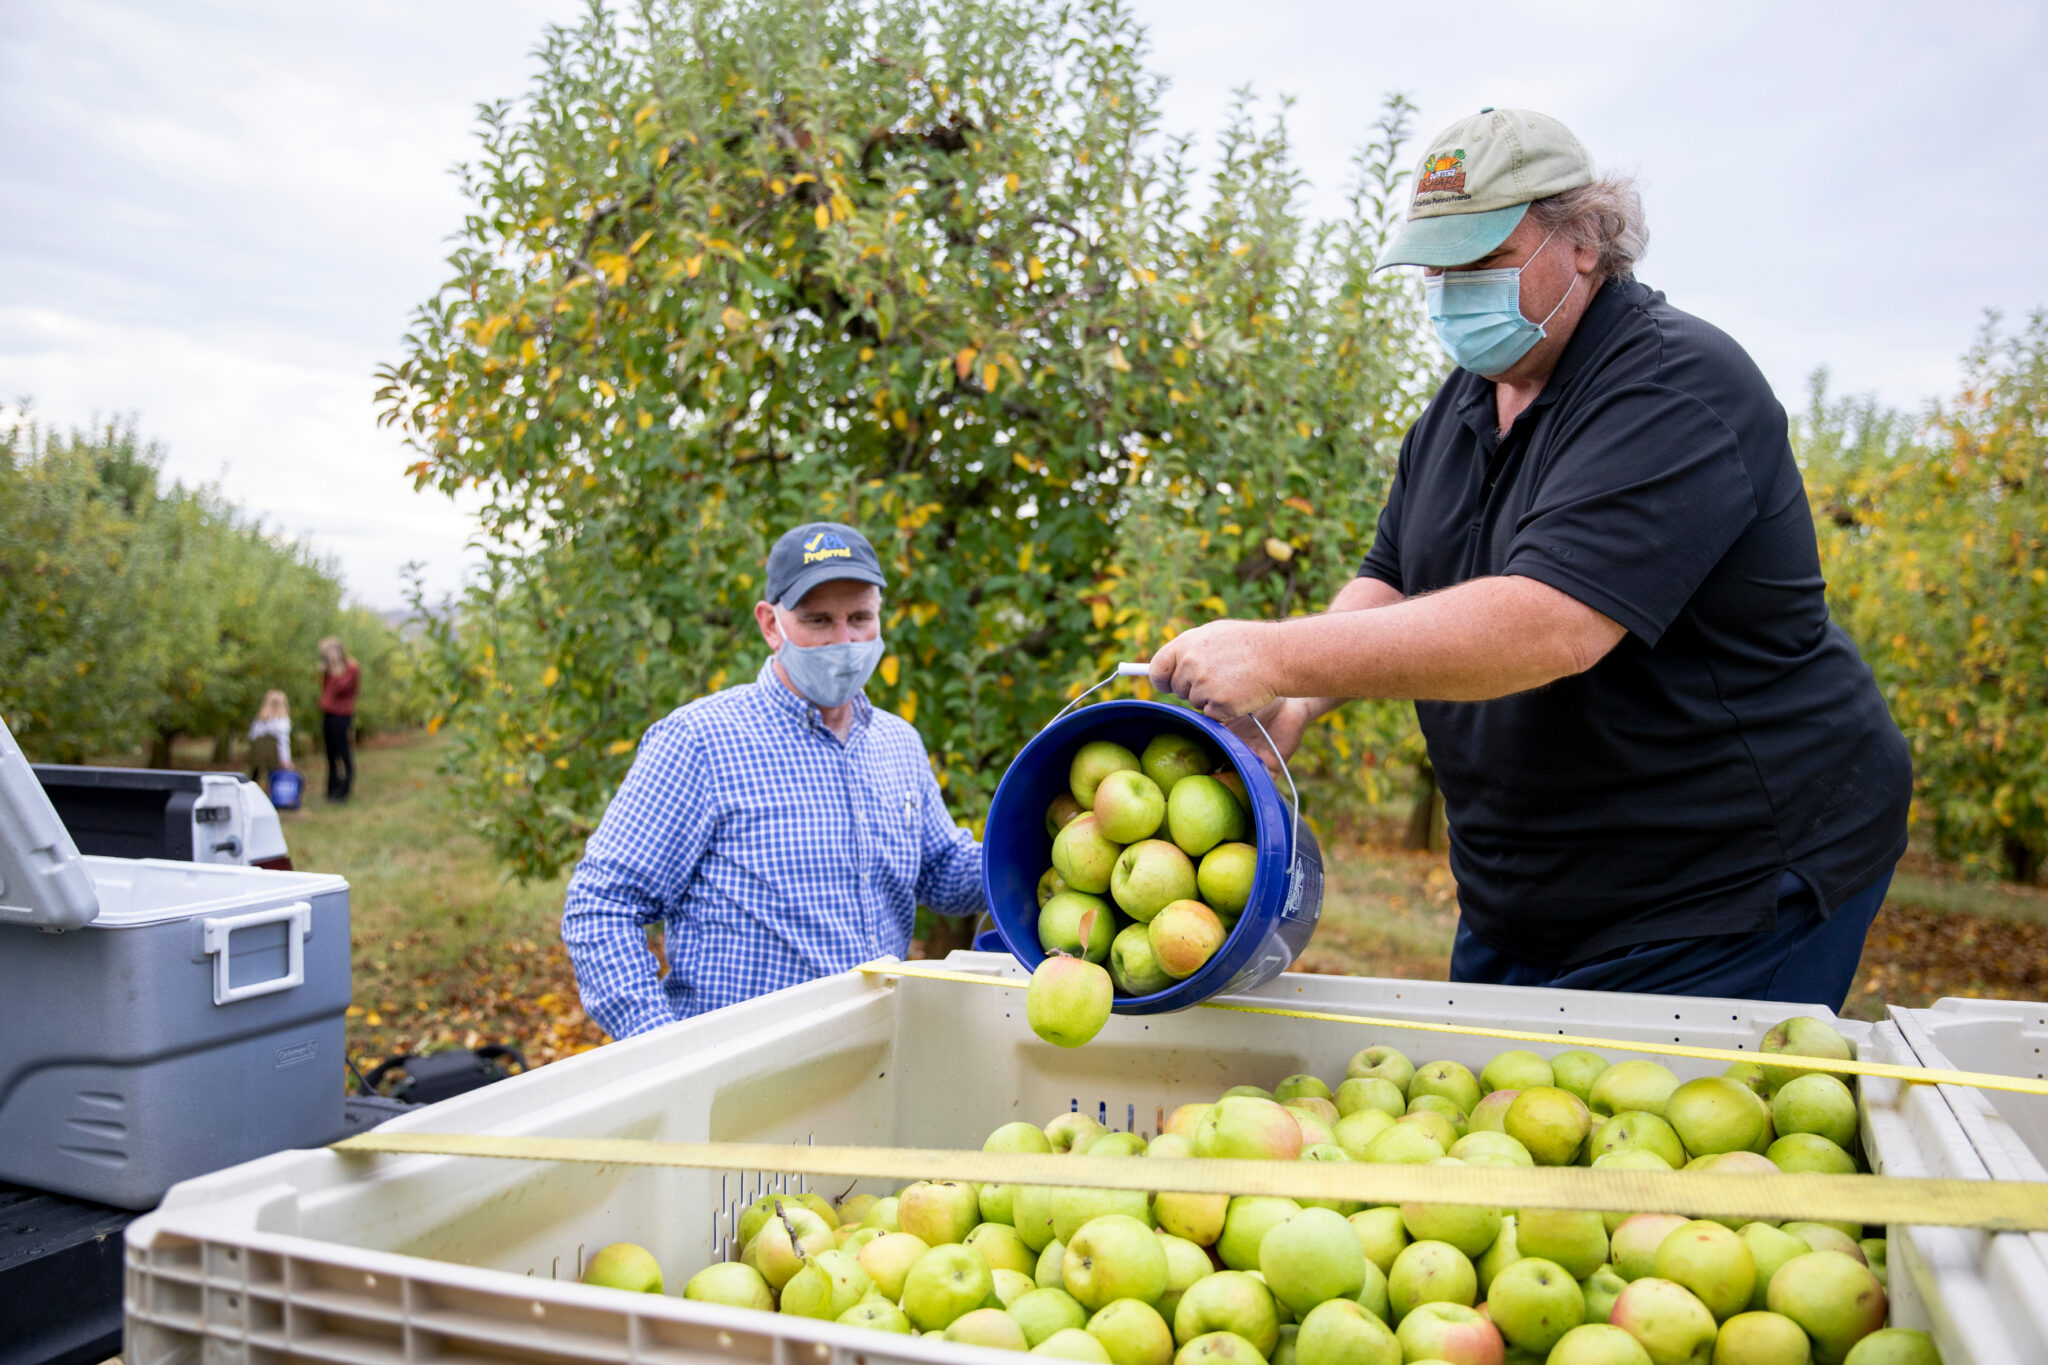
224,747
2022,861
1421,834
160,748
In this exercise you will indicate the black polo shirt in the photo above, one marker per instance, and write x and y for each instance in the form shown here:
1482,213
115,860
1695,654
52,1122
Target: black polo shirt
1733,734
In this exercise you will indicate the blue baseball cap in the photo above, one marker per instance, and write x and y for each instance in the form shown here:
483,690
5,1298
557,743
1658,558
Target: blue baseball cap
819,552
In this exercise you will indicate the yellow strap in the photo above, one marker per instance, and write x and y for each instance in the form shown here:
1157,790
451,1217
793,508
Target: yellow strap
2001,1206
1915,1075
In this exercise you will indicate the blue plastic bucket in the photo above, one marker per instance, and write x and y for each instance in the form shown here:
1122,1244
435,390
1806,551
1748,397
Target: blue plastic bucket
1287,883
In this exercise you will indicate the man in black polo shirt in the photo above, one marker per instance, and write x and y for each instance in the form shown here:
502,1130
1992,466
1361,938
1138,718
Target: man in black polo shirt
1665,769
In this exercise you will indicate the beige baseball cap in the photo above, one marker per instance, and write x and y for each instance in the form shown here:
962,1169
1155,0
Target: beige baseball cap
1475,183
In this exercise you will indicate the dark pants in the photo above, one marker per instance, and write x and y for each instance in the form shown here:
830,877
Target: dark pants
1808,959
337,733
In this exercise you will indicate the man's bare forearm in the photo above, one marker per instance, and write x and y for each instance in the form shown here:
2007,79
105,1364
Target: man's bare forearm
1486,638
1363,593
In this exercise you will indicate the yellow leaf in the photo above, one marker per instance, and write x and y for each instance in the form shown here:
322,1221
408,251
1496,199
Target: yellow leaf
778,185
1035,268
562,763
1215,604
890,666
1279,549
646,420
619,746
1023,462
661,157
373,1019
1100,611
1012,182
1305,429
639,242
1117,361
1024,558
734,319
822,216
551,677
989,375
695,264
1301,505
606,389
434,725
963,362
907,708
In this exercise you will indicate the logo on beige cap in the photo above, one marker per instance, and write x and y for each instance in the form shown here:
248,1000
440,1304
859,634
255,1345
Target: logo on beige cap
1443,173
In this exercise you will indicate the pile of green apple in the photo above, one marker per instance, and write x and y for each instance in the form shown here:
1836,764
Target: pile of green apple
1150,868
1131,1278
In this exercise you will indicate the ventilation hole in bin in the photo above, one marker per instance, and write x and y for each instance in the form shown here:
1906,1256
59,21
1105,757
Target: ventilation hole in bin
369,1281
1130,1118
540,1310
1102,1112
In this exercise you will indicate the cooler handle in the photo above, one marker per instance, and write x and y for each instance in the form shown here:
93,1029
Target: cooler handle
1132,669
218,933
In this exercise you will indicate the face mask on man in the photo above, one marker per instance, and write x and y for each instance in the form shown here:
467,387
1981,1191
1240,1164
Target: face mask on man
828,675
1478,315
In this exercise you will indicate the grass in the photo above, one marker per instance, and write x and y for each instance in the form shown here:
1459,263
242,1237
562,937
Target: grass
448,952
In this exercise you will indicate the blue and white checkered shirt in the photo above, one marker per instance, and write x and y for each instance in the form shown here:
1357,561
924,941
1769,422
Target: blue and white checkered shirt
771,851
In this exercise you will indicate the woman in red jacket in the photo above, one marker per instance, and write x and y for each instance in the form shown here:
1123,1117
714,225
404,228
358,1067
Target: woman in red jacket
340,675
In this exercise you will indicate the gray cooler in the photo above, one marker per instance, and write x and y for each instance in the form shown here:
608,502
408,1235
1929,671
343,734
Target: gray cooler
158,1020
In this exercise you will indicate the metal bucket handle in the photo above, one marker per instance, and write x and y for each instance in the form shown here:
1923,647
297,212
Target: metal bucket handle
1144,670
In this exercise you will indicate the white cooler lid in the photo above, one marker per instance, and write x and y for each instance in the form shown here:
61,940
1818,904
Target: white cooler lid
42,880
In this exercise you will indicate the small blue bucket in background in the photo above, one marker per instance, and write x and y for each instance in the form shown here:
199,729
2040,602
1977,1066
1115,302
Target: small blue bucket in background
1287,885
285,786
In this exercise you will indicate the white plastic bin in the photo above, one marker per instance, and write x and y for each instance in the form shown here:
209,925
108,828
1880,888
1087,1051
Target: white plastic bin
161,1019
395,1259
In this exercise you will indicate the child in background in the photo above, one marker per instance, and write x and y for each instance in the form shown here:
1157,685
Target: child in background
270,738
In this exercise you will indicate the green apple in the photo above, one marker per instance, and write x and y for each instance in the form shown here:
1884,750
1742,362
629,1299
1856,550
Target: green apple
1073,1132
1672,1325
1479,1143
1803,1037
1342,1333
1202,813
1129,806
1084,856
1224,878
1381,1234
1149,876
1071,1343
1068,1000
1301,1085
1384,1062
1329,1151
1470,1228
876,1314
1504,1252
1185,1263
1634,1128
1314,1132
1031,1213
936,1211
732,1284
827,1285
1516,1069
990,1327
1441,1128
888,1259
1011,1285
1219,1348
1430,1272
1400,1142
1322,1108
1050,884
1245,1225
1061,921
944,1284
1197,1218
1063,811
1490,1115
785,1241
1114,1257
1370,1092
1131,964
757,1214
882,1215
1600,1290
1815,1103
1827,1237
1641,1085
1750,1076
1257,1092
1113,1143
1184,936
1714,1114
1597,1343
1809,1151
852,1211
1133,1333
1094,761
1170,756
1074,1207
1574,1238
1550,1122
1633,1248
1228,1301
1834,1298
1373,1298
1770,1247
1002,1248
1762,1339
1171,1144
1438,1104
1450,1332
1242,1126
1451,1080
1052,1266
1576,1071
1894,1346
1186,1119
1712,1262
1534,1302
1356,1130
1310,1257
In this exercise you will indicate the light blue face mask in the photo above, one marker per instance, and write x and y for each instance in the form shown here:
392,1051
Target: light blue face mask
1478,315
829,675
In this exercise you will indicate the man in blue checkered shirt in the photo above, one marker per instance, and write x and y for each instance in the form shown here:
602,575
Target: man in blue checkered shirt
781,830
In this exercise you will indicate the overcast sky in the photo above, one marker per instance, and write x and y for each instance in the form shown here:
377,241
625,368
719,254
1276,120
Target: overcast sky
217,214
